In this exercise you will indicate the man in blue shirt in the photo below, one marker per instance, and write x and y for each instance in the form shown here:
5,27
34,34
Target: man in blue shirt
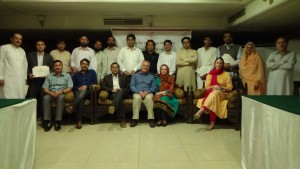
143,86
56,85
82,81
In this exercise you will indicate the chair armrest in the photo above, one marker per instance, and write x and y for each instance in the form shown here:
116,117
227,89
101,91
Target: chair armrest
69,97
199,93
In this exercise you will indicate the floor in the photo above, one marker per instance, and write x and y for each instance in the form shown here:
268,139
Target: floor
107,146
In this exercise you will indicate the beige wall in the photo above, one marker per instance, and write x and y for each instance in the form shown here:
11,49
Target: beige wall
96,22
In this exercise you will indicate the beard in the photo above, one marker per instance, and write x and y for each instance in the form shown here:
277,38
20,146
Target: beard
97,50
84,45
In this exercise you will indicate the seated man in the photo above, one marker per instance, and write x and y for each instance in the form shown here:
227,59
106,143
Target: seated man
115,84
82,81
56,85
143,85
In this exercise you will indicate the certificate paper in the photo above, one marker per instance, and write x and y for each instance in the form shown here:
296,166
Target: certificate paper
228,59
40,71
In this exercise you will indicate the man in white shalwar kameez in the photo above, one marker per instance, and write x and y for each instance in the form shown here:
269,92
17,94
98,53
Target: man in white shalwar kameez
281,64
206,58
13,69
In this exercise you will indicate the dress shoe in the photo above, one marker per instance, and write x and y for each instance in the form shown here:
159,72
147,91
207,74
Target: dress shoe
47,125
111,109
151,123
133,123
122,124
78,125
57,126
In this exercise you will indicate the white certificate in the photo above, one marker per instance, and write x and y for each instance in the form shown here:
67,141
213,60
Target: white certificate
40,71
228,59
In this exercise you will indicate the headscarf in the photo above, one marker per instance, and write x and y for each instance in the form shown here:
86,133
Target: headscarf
166,81
252,69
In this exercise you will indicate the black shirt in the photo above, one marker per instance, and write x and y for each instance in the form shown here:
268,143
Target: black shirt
152,58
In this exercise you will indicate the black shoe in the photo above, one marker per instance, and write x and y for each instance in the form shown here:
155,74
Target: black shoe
133,123
151,123
57,126
47,125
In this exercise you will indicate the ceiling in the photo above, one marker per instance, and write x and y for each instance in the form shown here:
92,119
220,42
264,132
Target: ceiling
284,15
123,7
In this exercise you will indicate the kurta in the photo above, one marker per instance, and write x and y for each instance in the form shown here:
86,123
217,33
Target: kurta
111,57
101,65
64,57
217,101
13,70
280,80
206,59
186,61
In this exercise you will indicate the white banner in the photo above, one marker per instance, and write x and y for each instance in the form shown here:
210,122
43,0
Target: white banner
158,35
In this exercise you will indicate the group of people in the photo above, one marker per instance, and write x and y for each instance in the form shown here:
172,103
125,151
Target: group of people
150,77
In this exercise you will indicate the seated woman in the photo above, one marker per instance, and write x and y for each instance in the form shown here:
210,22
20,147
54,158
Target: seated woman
165,101
217,83
252,71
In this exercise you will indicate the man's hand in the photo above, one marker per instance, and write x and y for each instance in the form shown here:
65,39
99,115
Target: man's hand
84,87
101,81
74,69
227,65
1,82
31,76
126,73
115,90
132,72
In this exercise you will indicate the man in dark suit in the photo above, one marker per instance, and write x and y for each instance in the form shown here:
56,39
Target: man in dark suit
116,85
37,58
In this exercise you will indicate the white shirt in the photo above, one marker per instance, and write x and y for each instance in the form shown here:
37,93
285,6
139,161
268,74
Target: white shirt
168,58
130,59
111,57
40,58
80,53
116,84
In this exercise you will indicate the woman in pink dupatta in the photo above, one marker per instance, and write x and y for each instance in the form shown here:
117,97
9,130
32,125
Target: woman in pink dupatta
217,83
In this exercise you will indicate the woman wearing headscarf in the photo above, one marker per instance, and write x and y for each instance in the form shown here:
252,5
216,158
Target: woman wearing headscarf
215,103
252,71
165,101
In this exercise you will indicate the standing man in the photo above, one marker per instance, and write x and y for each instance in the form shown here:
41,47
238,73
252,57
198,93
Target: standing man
111,52
186,60
130,57
37,58
81,52
143,86
61,54
101,61
56,85
167,57
234,50
82,81
206,58
117,87
281,64
151,56
13,69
